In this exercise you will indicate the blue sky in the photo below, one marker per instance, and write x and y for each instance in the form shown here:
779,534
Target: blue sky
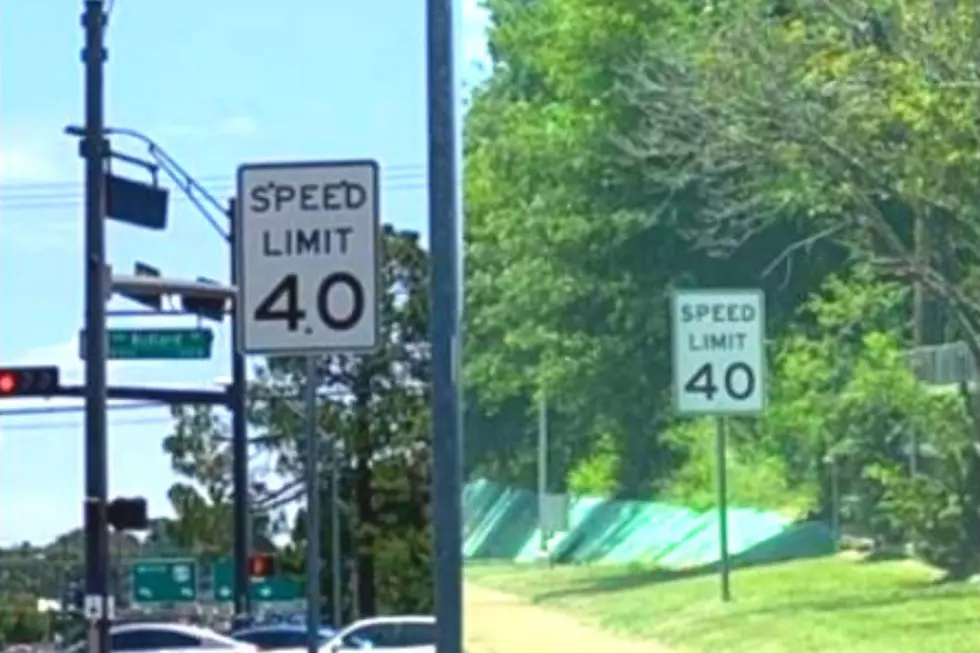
216,85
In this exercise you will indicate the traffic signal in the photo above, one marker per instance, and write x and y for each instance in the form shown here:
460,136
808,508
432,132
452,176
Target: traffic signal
42,381
128,514
210,308
259,565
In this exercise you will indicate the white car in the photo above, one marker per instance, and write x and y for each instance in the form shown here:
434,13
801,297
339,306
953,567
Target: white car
157,637
395,634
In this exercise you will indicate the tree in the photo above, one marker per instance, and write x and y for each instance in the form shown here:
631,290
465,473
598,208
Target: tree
561,295
856,124
574,241
200,452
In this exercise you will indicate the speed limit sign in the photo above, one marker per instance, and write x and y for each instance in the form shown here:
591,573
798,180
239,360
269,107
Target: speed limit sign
307,257
719,352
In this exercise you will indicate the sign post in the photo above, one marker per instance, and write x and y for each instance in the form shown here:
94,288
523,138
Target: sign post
308,268
720,370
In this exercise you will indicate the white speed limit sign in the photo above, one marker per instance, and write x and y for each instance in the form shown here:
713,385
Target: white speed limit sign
307,256
719,352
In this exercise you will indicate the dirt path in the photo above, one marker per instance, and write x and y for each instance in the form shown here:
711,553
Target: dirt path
499,623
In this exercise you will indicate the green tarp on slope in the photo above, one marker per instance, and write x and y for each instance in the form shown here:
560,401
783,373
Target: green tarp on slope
501,523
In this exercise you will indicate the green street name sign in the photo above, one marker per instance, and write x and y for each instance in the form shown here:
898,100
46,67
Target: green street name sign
156,344
165,581
273,589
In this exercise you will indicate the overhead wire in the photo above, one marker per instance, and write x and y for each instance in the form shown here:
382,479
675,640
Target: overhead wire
38,411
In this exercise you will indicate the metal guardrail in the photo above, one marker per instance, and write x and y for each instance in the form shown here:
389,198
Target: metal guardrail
945,364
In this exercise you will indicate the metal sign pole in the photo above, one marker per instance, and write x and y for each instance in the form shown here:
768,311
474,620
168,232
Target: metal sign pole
447,459
335,552
312,510
722,462
543,476
95,149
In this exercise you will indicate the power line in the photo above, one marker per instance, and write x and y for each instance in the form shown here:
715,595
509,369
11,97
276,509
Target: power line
47,203
393,172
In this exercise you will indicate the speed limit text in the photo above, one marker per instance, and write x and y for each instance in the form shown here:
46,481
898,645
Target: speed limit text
318,198
729,321
306,242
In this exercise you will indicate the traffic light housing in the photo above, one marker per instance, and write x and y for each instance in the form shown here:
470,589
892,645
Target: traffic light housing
209,308
39,381
259,565
128,514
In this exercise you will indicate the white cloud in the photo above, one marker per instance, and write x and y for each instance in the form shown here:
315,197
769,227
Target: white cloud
20,165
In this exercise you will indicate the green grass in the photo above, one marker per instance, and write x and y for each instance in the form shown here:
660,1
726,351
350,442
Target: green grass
838,605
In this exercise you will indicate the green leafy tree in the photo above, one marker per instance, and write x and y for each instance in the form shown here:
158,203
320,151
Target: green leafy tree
576,230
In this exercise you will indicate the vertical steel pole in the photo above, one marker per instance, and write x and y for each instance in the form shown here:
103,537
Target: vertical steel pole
542,473
336,555
94,150
239,443
447,478
835,525
313,529
722,461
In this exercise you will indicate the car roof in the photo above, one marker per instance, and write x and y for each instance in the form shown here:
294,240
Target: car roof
286,626
386,620
186,629
397,619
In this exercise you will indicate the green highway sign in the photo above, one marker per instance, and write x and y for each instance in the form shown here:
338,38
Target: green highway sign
165,581
157,344
273,589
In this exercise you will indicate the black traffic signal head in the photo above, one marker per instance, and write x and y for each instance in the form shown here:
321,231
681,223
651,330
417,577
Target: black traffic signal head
41,381
259,565
128,514
209,308
150,300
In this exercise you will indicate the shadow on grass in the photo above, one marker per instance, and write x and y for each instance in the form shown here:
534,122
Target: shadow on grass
797,543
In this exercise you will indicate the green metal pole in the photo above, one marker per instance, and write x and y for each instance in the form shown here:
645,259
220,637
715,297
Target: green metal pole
722,437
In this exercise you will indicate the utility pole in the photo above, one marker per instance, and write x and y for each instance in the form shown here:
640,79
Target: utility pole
94,149
922,257
445,334
239,445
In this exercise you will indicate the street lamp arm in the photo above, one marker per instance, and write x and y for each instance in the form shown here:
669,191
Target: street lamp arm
195,192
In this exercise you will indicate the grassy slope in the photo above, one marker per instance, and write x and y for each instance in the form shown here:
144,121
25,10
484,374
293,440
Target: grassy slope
834,605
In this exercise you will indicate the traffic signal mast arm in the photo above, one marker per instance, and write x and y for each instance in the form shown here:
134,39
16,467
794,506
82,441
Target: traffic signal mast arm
142,285
203,297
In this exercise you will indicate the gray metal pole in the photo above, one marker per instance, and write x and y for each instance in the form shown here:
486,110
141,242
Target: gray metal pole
239,449
835,502
447,477
542,472
336,555
312,509
722,461
94,150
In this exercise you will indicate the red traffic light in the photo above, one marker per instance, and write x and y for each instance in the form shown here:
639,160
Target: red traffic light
28,381
260,566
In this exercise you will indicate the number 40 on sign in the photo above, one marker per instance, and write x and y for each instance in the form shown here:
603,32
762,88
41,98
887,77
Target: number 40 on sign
719,351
